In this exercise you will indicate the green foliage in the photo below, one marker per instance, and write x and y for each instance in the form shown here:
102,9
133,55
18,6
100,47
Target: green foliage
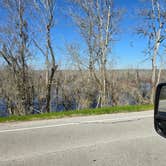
84,112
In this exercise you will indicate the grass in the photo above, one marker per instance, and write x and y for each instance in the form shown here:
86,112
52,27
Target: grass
72,113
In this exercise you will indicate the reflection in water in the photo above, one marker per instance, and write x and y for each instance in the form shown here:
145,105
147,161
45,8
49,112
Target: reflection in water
162,106
36,108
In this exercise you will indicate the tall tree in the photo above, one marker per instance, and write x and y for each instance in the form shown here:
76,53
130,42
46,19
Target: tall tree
46,9
153,28
97,22
14,49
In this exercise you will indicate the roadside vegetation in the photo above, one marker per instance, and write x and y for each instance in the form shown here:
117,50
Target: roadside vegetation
72,113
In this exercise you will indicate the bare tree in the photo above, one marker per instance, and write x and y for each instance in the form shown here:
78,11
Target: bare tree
14,49
46,10
153,28
97,23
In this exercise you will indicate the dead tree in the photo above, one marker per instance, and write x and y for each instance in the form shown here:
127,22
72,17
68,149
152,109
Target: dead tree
14,49
153,28
46,9
97,23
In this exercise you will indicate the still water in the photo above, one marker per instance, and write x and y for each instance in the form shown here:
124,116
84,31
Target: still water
54,107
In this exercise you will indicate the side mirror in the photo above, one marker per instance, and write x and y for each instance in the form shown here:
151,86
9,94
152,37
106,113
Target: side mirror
160,110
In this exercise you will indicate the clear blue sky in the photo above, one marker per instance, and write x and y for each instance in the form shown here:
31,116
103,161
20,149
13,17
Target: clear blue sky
128,50
130,47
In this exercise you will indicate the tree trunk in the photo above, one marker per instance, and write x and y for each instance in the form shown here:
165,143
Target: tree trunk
48,95
153,78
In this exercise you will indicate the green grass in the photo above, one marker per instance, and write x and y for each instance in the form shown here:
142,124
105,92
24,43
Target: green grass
84,112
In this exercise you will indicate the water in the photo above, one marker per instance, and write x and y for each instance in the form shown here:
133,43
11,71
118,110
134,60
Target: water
3,109
54,107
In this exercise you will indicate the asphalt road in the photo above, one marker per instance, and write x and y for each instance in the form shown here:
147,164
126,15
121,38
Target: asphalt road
108,140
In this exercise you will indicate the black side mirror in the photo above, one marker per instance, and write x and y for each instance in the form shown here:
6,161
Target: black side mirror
160,110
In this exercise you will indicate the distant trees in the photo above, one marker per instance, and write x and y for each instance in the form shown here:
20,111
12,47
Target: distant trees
85,96
154,29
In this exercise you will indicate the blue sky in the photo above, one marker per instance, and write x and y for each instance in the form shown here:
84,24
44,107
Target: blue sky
128,50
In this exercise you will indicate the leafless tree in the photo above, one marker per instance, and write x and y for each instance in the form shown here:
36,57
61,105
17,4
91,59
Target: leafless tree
97,22
154,28
14,49
46,9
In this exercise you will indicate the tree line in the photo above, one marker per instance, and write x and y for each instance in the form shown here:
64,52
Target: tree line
28,28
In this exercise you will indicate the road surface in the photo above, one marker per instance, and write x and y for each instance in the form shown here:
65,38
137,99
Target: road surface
125,139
